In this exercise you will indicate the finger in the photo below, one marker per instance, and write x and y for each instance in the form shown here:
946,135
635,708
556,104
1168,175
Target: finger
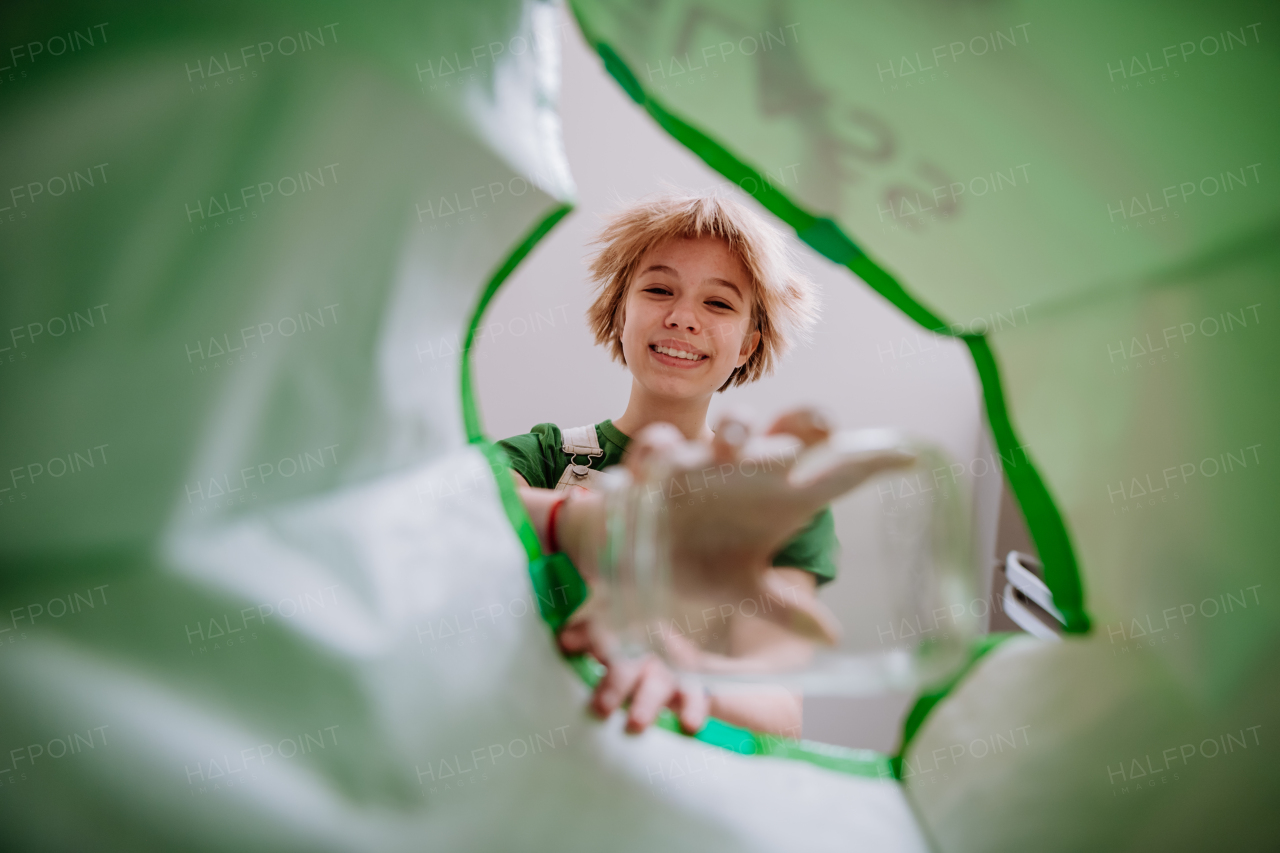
575,638
654,441
619,682
813,620
808,425
731,434
790,600
692,706
849,472
654,691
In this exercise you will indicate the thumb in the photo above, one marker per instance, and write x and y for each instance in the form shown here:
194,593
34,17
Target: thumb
800,611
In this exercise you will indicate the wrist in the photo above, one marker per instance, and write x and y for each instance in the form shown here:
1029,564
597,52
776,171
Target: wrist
579,530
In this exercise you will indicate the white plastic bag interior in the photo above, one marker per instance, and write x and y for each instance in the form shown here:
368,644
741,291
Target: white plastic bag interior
404,694
232,630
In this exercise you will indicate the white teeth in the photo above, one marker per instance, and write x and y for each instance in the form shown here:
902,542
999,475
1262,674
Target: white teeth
675,353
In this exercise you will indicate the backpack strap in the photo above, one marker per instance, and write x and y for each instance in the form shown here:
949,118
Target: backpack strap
580,441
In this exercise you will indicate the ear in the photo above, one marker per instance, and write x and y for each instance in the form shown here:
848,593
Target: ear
749,344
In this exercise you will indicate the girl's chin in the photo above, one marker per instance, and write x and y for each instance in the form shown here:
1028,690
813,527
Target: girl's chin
677,388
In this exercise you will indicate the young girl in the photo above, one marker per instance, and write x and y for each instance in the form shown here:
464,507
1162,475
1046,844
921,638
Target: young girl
696,294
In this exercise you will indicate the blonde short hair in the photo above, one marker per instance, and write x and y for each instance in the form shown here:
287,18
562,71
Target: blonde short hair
784,304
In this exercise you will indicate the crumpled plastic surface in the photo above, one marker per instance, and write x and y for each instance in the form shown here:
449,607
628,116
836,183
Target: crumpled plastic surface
257,591
1087,188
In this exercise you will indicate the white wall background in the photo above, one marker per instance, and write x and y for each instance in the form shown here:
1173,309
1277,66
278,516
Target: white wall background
867,365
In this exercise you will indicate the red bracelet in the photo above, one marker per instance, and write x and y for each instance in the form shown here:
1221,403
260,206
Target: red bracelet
552,539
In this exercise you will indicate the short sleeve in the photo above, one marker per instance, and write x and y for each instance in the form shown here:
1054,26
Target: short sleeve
533,454
814,548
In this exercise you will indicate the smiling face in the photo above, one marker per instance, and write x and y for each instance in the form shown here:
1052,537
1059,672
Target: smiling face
687,318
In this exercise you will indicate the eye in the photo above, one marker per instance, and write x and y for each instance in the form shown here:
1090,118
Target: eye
658,288
720,303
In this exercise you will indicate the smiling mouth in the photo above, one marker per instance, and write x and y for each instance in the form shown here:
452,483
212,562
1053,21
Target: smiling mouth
691,357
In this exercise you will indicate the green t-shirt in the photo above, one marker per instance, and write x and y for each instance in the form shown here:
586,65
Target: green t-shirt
536,456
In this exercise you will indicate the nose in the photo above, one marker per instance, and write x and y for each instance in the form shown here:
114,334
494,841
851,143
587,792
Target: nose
683,315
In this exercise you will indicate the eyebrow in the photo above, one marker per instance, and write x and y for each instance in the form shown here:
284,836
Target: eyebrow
667,269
